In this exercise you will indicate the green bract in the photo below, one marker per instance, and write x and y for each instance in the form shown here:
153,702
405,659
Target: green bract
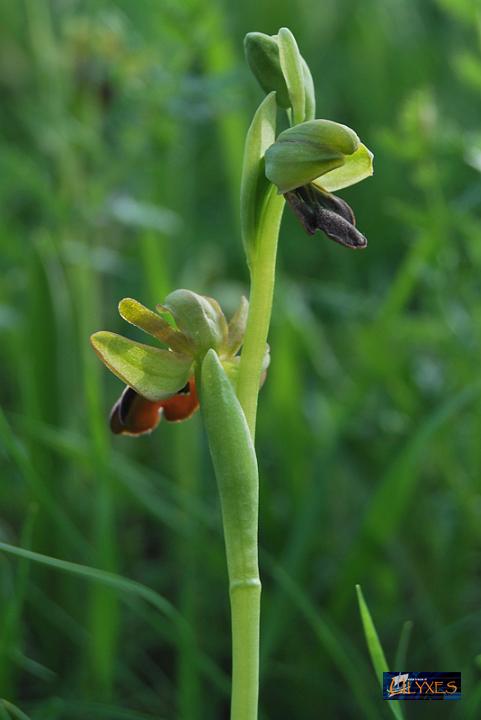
235,464
314,149
254,184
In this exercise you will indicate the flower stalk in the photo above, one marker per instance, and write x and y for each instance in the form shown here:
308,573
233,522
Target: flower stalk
263,270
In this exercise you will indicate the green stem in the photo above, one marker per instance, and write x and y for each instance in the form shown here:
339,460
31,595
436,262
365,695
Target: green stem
263,268
245,602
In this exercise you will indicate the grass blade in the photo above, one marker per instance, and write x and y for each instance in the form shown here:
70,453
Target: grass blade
326,636
124,586
375,648
402,648
11,710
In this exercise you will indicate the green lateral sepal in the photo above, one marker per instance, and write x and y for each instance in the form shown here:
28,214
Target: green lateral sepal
154,373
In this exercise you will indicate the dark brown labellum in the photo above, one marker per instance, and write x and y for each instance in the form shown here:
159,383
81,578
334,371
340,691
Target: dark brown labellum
319,210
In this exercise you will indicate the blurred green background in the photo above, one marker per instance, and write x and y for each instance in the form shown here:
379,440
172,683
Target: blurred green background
121,140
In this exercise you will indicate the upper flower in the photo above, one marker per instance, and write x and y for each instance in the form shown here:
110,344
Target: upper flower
309,161
312,158
161,381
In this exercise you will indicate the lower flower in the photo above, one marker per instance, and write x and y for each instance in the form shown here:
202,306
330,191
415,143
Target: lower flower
161,380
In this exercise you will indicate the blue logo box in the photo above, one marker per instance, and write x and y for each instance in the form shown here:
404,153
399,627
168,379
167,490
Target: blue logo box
410,685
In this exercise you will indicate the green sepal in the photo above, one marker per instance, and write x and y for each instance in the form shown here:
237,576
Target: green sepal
199,318
292,68
262,55
236,328
307,151
235,465
153,373
254,185
357,167
150,322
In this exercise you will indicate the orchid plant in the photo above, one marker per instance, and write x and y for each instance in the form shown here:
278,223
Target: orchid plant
199,361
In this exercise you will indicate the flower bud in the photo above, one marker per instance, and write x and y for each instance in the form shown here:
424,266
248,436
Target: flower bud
278,65
262,54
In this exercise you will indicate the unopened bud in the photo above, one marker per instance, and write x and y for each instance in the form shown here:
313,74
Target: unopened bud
262,54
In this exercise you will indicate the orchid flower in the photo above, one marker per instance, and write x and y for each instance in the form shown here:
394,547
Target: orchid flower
161,382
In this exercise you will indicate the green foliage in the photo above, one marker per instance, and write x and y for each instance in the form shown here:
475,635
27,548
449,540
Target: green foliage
120,141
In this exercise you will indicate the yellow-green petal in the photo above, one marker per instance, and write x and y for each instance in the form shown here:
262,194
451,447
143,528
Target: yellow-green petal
150,322
357,167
